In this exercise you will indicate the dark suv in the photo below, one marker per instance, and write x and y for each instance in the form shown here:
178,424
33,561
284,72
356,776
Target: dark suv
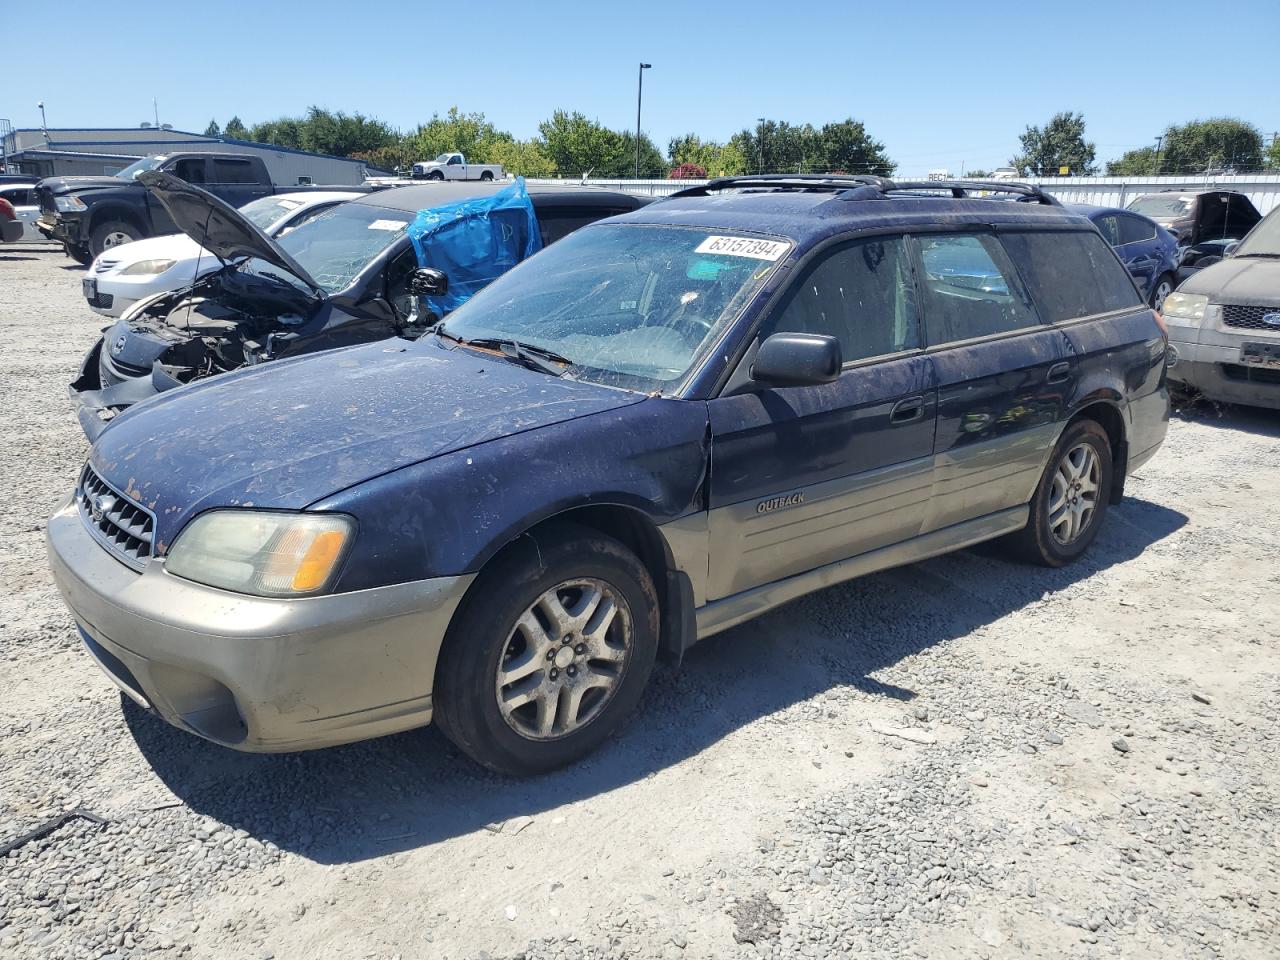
663,425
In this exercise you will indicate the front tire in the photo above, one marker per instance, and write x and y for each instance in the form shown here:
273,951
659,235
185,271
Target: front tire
112,233
1071,499
435,175
80,255
549,653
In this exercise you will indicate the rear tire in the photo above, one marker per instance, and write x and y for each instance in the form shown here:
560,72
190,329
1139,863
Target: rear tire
112,233
549,653
1166,283
1071,499
486,175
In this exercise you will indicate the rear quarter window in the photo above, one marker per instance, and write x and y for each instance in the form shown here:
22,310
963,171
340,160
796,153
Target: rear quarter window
1071,274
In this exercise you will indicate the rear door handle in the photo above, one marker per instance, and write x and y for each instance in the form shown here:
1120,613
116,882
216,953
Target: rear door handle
1058,373
907,411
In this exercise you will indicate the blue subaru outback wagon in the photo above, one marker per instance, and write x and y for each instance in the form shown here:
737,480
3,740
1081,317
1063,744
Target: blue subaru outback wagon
662,426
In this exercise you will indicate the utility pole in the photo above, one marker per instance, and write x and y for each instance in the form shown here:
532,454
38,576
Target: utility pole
1159,143
760,144
44,124
155,109
639,98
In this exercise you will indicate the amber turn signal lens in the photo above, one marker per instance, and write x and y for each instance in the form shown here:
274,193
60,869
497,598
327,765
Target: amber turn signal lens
317,563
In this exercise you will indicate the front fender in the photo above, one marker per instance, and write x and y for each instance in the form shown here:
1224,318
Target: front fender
456,511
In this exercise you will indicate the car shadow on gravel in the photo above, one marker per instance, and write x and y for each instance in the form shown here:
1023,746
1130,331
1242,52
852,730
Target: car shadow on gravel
414,789
1228,416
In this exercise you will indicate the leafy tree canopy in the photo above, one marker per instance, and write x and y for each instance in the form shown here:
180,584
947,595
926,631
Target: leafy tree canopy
1059,143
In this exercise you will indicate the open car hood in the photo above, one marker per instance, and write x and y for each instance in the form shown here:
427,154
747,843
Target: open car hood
217,226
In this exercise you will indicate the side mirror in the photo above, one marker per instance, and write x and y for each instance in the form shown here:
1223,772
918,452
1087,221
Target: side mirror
428,282
797,360
1231,248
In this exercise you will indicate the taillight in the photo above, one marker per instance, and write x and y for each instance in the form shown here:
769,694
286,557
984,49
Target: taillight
1164,328
6,210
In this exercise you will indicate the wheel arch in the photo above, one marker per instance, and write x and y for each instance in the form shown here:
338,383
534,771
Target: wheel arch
116,212
634,528
1104,409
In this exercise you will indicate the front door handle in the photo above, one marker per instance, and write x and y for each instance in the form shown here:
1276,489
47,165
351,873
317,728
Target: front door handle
1058,373
907,411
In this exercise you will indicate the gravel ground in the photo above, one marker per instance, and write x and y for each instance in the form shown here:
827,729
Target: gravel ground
963,758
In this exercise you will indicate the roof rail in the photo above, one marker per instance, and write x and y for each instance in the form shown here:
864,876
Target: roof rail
854,186
832,182
961,189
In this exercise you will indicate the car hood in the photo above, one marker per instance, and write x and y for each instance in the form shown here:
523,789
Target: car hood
61,185
295,431
1245,280
219,227
177,246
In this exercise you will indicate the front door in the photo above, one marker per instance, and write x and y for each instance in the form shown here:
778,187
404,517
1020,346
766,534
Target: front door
805,476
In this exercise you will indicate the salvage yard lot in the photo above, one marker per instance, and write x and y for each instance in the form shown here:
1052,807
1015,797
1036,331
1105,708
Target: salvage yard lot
966,757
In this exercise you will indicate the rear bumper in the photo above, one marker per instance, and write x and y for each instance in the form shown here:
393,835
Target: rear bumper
254,674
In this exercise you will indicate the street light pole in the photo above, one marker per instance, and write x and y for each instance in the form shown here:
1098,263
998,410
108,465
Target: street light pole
1159,141
44,124
760,144
639,100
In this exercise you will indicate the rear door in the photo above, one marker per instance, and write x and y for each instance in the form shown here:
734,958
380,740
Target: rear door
805,476
1003,376
237,181
1141,252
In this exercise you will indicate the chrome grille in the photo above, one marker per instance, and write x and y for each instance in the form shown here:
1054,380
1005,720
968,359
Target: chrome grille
1250,318
116,522
104,265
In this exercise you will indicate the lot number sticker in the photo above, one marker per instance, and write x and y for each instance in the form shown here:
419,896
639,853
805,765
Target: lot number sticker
769,250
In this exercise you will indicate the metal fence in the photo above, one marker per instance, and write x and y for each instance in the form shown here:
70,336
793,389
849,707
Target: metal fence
1262,189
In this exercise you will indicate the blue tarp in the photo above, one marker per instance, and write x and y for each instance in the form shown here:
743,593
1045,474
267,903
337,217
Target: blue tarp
475,241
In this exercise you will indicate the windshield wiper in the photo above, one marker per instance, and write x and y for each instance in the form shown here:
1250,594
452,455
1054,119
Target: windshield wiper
534,357
440,331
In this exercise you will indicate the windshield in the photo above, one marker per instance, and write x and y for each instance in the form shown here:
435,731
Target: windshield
443,158
1264,239
339,243
1161,206
137,167
627,304
265,211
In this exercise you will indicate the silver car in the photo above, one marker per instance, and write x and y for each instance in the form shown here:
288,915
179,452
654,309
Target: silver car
1224,323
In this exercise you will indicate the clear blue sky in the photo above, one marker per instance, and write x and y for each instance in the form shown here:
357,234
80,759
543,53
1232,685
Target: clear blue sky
938,84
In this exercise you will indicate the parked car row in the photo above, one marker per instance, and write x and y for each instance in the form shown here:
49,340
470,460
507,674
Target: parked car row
665,423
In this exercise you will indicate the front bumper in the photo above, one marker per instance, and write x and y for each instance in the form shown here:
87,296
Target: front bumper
255,674
64,228
1208,359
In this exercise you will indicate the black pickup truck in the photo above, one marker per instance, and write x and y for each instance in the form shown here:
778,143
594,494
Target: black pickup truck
89,214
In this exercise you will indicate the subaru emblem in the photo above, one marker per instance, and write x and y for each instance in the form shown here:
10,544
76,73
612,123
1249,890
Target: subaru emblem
118,345
1271,319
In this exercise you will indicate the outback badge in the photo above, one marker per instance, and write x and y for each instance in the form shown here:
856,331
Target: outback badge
777,503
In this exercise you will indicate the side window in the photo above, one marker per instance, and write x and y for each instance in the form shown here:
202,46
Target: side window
232,171
191,170
455,159
556,223
1071,274
862,294
1136,230
1109,227
971,289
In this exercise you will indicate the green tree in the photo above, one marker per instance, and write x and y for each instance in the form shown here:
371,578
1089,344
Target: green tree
522,157
1059,143
717,159
236,129
213,130
1211,144
1134,163
1273,155
846,147
978,174
653,164
578,146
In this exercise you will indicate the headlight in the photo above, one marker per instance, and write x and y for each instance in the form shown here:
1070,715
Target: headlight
69,204
147,268
1185,306
262,553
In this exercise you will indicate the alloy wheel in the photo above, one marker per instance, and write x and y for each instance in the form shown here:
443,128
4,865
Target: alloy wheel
1163,289
115,239
564,659
1073,496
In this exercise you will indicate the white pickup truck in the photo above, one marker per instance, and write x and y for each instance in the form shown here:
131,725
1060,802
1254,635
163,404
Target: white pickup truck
454,166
